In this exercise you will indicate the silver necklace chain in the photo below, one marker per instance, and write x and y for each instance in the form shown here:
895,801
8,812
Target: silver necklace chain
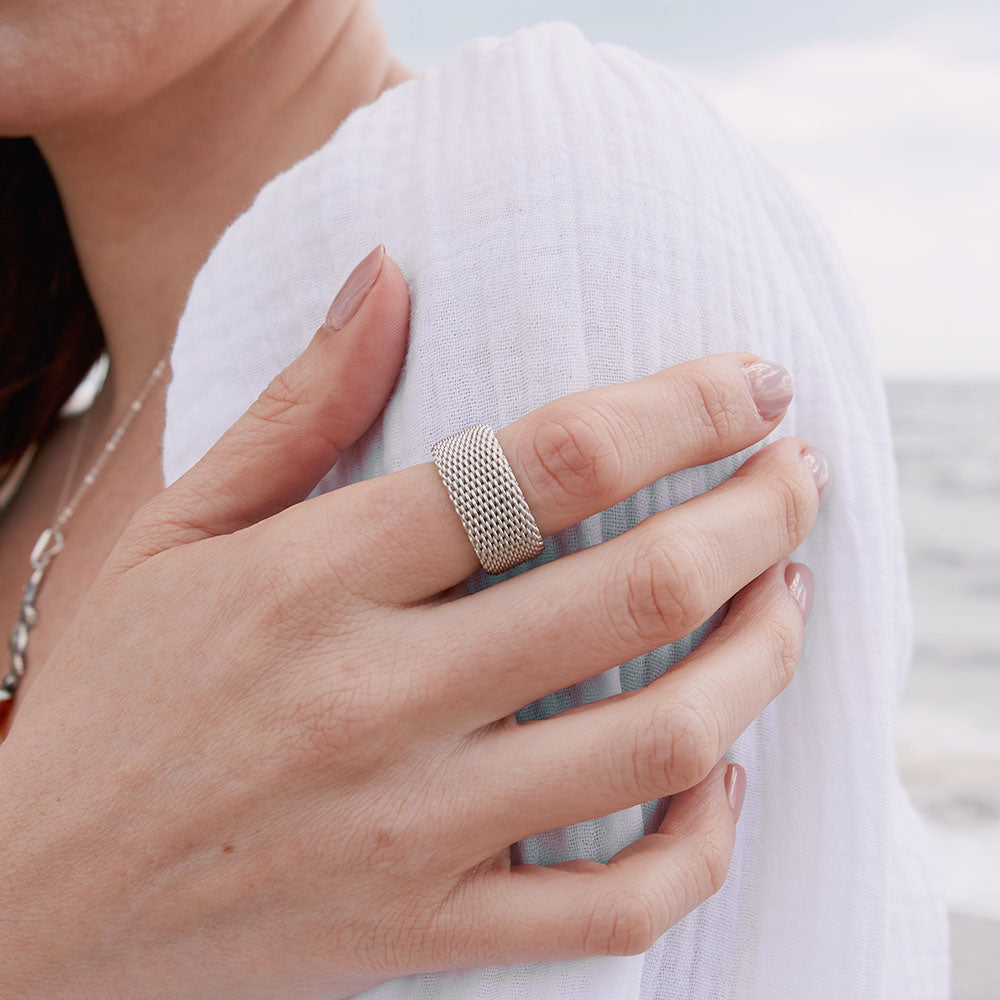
50,541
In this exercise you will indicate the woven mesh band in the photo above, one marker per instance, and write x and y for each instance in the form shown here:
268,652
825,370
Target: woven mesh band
486,494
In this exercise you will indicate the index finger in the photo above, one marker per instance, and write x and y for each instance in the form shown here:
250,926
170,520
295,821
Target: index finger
573,458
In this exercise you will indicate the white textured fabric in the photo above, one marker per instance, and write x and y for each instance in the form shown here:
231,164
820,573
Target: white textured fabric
570,215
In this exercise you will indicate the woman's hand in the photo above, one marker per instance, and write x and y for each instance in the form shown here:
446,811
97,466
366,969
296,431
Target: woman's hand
274,755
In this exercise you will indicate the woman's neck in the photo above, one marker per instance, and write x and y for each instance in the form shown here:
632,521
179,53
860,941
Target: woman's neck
147,192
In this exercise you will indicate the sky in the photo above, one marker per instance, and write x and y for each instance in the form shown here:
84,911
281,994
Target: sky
885,114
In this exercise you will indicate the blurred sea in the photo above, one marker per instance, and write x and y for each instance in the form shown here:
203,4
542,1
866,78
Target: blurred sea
947,439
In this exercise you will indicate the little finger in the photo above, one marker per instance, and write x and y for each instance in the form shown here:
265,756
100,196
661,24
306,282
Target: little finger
585,908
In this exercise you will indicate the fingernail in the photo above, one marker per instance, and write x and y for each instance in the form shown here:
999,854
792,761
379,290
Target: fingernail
350,297
771,387
800,582
736,788
820,467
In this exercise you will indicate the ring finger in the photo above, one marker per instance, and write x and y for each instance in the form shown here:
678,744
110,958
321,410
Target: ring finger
575,617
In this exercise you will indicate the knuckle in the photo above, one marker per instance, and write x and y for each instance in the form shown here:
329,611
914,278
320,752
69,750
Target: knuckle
278,400
714,855
289,585
717,408
331,700
795,499
784,644
676,750
665,591
308,582
622,922
569,454
292,401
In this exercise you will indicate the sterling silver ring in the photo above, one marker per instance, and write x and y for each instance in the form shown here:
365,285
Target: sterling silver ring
488,498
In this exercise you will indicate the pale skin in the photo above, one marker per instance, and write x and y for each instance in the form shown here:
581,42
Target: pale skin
244,732
260,84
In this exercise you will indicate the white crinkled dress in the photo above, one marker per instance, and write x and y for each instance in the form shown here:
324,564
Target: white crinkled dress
569,215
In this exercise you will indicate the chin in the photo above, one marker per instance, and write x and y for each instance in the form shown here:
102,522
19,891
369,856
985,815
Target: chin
63,62
53,103
50,79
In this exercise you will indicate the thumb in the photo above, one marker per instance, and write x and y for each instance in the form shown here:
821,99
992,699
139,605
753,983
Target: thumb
294,432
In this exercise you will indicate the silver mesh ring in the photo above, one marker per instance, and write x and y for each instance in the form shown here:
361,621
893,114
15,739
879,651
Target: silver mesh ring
488,498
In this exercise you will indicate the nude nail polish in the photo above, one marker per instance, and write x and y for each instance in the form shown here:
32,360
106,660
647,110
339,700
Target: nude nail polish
771,387
799,579
736,788
353,293
820,467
